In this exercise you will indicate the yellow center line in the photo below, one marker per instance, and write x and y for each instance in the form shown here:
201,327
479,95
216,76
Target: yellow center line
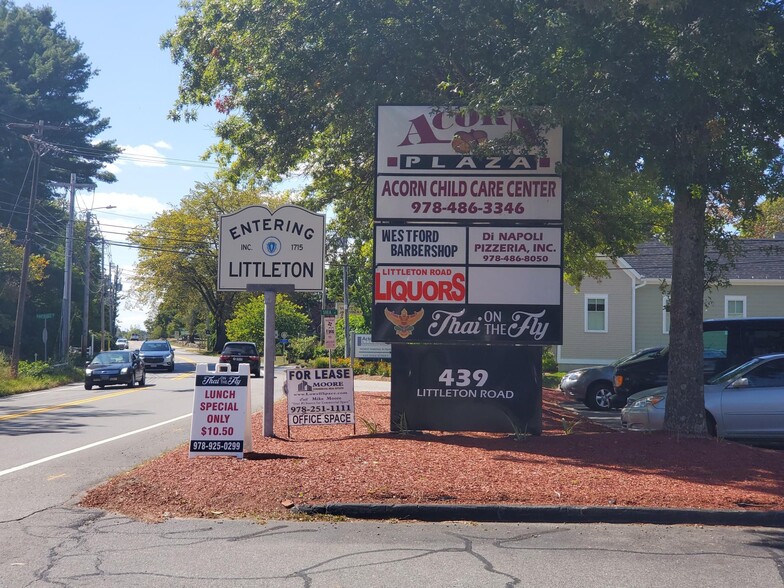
18,415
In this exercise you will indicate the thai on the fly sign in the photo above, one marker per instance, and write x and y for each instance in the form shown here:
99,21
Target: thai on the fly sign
283,247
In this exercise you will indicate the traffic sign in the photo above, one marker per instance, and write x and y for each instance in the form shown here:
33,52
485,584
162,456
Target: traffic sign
329,312
45,315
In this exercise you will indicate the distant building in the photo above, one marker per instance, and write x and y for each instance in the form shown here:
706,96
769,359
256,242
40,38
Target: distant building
610,318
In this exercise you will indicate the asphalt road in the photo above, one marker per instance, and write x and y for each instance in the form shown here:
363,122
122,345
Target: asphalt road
60,442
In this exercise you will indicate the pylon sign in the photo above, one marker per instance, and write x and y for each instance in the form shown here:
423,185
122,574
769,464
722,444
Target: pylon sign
261,247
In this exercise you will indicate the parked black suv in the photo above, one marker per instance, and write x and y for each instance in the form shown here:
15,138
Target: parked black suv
237,352
726,342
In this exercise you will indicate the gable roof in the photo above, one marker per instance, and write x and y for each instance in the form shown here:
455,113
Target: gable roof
759,259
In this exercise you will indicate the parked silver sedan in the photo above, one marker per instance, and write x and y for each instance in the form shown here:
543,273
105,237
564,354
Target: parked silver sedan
745,402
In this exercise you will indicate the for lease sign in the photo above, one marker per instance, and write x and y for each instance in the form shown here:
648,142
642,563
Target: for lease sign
320,396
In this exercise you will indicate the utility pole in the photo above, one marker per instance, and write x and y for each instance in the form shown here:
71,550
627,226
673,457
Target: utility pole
86,308
345,309
65,318
39,148
113,297
103,291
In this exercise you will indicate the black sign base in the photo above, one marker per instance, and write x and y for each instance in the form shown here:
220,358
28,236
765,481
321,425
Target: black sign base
480,388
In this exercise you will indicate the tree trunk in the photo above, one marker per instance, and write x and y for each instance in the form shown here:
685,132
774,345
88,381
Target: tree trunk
685,408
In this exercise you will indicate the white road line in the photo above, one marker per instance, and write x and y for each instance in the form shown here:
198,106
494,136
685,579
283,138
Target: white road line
90,446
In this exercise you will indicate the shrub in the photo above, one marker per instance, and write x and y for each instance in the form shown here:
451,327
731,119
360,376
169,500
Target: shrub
549,363
304,349
33,369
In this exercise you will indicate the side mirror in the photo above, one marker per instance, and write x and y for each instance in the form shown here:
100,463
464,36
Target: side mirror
740,383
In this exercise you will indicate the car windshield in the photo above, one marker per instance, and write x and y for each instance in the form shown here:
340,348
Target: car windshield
155,346
730,374
638,355
239,350
112,357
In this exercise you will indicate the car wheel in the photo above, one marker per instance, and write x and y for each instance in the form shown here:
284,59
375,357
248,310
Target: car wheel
101,386
257,373
143,381
132,381
88,386
598,396
171,368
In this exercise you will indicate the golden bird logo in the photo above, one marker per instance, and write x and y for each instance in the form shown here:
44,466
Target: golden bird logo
404,322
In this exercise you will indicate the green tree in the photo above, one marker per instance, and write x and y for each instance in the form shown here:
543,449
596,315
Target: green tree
299,83
43,74
248,321
659,115
178,253
652,86
768,221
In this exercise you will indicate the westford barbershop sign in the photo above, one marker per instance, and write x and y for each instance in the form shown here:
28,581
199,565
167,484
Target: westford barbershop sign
270,248
427,168
480,284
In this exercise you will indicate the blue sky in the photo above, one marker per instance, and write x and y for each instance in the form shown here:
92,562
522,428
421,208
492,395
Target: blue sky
135,89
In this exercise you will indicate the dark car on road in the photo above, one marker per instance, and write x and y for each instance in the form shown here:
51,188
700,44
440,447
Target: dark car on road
593,385
236,352
112,368
157,355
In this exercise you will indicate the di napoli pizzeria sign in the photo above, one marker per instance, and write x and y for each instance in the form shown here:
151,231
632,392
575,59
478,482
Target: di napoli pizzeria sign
283,247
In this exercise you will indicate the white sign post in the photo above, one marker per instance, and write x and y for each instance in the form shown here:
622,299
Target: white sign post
271,251
221,412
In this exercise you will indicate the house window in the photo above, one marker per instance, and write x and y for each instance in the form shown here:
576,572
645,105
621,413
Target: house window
595,313
665,315
734,306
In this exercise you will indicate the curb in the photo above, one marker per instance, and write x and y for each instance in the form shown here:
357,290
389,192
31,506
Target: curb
487,513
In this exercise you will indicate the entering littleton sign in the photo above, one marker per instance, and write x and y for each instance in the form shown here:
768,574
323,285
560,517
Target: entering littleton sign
272,248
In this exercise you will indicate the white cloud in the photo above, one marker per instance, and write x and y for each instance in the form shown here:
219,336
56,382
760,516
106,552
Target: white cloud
162,145
143,155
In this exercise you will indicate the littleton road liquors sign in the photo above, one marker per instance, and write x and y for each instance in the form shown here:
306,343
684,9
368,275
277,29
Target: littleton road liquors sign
272,248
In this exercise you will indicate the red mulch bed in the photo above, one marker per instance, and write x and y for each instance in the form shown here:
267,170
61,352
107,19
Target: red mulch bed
569,464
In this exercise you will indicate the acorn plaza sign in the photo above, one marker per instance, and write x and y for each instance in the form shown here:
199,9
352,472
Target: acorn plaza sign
271,251
468,253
